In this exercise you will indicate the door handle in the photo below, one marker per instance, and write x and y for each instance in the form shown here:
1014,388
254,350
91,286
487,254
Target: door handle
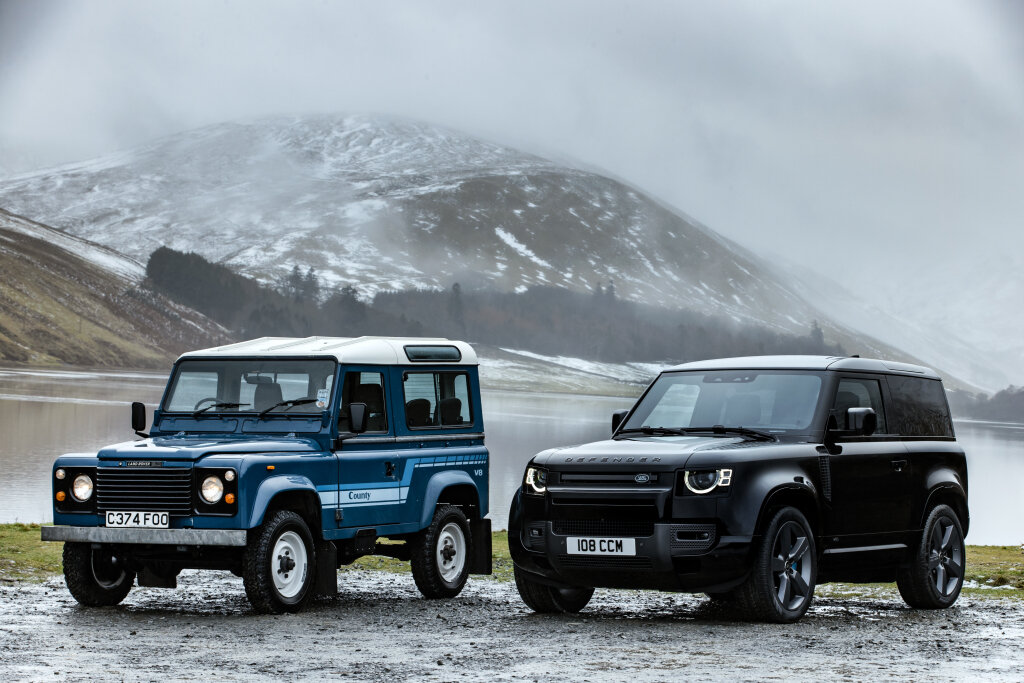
389,469
898,465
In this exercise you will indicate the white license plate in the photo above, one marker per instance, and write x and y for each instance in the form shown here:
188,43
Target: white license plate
138,520
577,545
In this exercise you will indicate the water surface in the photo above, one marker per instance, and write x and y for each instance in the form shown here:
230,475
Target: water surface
45,413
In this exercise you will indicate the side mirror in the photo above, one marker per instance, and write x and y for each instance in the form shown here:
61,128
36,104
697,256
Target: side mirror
139,418
861,421
617,418
357,417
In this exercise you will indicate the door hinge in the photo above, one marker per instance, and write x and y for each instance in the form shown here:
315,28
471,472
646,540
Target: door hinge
339,515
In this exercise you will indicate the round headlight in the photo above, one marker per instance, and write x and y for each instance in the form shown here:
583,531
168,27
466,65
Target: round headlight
701,482
536,480
212,489
81,488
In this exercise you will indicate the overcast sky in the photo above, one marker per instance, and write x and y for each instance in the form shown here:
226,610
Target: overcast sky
856,137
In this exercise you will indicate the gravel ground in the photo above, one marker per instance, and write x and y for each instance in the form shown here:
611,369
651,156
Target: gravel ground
379,628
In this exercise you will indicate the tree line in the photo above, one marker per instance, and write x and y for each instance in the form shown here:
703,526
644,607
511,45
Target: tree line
546,320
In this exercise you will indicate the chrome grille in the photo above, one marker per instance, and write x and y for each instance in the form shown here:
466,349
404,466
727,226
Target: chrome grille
160,489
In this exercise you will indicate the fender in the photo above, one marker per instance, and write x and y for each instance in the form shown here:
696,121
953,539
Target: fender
270,487
769,484
438,483
944,483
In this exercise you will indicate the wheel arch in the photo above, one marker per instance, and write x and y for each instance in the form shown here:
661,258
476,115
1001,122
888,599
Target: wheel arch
947,494
288,493
793,495
454,487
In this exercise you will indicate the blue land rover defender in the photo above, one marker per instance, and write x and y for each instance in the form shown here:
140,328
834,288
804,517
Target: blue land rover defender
280,460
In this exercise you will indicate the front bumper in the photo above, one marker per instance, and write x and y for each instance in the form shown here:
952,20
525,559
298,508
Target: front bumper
177,537
673,558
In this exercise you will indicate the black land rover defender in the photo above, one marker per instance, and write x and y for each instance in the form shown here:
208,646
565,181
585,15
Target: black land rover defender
751,480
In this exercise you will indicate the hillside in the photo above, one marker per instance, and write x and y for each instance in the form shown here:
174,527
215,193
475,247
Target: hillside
66,300
383,204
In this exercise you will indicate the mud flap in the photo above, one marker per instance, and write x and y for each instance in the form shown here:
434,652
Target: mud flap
480,553
326,570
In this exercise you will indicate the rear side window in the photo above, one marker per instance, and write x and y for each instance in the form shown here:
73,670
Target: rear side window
919,407
437,399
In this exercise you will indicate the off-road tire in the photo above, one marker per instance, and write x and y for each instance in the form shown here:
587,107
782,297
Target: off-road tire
788,539
548,599
259,564
428,569
934,553
93,577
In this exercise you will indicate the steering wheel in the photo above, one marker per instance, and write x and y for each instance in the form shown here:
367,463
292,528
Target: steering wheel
201,401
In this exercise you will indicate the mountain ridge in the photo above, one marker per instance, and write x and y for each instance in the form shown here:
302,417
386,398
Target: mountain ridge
388,204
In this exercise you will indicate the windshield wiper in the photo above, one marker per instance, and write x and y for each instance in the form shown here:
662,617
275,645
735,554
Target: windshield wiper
686,431
742,431
660,431
291,402
218,404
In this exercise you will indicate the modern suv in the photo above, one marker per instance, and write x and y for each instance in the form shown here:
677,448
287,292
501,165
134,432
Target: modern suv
751,480
281,459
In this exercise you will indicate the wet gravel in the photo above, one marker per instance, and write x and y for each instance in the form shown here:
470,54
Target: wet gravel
379,628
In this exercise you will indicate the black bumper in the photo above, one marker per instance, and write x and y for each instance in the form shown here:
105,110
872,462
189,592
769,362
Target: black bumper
674,555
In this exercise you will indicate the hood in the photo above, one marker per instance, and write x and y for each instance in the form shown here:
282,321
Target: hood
656,452
192,448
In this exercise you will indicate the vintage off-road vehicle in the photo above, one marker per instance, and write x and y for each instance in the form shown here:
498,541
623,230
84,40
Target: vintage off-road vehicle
280,460
751,480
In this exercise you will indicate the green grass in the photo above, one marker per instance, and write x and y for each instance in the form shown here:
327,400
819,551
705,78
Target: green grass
23,557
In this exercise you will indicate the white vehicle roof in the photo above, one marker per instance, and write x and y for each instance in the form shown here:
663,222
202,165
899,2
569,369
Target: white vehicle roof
350,350
808,363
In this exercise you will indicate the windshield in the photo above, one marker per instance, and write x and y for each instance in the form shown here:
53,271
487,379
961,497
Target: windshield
260,385
769,401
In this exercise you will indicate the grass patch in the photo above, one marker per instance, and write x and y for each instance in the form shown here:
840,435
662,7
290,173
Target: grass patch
992,571
23,557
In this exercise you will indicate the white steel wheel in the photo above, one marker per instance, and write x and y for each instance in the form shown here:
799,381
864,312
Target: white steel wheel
288,564
451,552
440,554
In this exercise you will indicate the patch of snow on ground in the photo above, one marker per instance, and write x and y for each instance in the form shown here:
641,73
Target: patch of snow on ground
520,248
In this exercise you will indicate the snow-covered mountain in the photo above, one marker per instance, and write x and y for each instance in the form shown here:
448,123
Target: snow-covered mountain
391,204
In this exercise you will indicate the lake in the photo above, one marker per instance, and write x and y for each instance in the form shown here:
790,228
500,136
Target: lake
44,413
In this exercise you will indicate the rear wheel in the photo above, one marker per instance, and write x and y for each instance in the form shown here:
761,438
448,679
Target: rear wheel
550,600
781,585
440,554
936,573
279,564
96,577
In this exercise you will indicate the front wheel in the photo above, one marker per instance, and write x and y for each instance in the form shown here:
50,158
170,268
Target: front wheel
279,564
440,554
550,600
781,584
96,577
936,572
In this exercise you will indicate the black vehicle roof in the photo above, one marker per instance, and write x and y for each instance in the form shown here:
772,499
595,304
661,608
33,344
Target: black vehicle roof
833,363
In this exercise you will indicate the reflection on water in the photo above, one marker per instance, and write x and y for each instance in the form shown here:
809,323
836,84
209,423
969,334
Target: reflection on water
45,413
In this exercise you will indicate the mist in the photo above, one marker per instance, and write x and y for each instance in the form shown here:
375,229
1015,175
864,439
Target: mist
878,144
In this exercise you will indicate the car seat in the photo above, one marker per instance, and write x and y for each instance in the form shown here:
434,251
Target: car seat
417,413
